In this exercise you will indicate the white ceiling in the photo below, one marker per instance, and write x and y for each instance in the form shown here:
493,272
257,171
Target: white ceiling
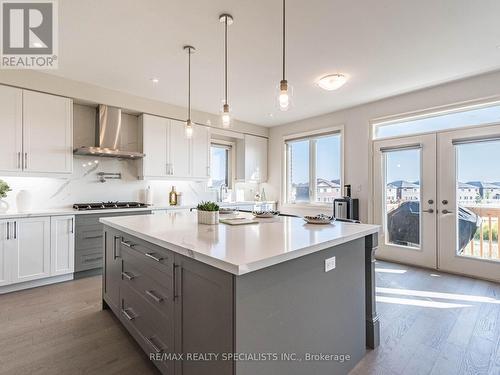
386,46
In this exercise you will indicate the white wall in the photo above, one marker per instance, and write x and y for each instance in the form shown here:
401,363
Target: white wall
357,143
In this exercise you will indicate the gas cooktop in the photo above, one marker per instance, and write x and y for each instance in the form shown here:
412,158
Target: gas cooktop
107,205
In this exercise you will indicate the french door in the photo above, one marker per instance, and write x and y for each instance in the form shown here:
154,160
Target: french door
437,197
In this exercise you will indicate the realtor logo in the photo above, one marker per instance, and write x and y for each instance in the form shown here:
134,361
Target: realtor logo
29,34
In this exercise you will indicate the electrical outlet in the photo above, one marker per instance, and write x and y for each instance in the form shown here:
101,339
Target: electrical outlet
330,264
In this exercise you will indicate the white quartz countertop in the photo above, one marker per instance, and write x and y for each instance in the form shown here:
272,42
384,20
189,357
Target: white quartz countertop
11,214
238,249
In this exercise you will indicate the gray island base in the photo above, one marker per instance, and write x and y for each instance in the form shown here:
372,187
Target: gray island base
194,318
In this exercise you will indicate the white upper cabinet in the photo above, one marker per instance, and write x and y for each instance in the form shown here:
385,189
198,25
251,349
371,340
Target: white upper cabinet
47,133
62,245
201,152
154,145
252,159
36,132
169,153
11,129
180,151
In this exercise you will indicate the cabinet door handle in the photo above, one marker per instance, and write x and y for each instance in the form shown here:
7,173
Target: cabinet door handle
15,229
8,230
128,275
94,237
25,160
128,244
127,314
152,294
115,255
73,225
19,160
156,348
152,256
177,273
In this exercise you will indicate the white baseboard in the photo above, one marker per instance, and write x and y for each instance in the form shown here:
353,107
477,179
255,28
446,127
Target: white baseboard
35,283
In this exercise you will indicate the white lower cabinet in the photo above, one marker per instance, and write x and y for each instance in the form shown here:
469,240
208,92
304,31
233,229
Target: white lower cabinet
62,245
36,248
30,246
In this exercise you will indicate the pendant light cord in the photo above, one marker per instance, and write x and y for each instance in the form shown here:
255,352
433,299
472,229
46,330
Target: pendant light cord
283,40
225,60
189,84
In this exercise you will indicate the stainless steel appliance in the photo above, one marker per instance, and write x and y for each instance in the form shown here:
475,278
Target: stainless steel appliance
107,205
108,135
346,207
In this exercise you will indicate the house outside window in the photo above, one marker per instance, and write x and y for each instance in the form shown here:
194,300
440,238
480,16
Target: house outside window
313,167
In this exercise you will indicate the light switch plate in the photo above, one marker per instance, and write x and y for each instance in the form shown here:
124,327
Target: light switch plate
330,264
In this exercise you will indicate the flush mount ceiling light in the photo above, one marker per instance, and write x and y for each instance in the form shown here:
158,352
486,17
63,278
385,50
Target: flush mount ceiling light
332,81
227,20
285,91
189,124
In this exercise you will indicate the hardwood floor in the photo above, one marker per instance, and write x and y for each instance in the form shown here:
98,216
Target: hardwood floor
434,323
431,323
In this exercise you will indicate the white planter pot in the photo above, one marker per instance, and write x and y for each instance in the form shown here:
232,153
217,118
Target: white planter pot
208,217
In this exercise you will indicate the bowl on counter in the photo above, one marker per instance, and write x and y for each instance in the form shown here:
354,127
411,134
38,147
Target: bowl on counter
318,219
265,214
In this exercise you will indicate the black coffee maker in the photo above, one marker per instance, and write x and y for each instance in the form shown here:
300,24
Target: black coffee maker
346,207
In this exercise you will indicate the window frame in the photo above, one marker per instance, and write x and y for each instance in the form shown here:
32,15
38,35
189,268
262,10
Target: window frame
231,161
323,132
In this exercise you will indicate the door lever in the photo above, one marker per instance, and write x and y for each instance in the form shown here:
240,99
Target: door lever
430,210
445,211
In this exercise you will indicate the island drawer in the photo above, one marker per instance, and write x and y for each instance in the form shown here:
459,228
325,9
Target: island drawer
154,286
156,331
153,257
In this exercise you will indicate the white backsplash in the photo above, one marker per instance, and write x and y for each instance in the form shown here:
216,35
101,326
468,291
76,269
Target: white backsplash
83,186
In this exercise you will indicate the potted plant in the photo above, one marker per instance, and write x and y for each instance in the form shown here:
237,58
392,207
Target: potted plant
208,213
4,189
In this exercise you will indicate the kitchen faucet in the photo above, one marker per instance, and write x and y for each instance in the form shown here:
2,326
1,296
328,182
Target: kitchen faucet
222,192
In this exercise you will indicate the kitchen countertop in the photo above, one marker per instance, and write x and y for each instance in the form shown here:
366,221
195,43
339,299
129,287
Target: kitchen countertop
238,249
11,214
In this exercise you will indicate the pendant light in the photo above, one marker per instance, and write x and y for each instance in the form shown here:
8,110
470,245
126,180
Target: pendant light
189,124
227,20
285,91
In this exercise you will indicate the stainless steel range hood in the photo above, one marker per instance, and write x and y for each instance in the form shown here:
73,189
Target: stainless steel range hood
108,130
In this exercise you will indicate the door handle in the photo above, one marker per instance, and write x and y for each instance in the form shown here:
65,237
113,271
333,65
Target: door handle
128,275
25,160
445,211
19,160
153,295
73,225
128,244
15,230
8,230
155,347
430,211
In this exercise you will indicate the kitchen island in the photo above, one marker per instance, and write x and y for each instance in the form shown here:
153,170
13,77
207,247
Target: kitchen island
277,297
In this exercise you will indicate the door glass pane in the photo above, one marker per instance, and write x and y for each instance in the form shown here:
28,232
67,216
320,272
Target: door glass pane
478,199
328,165
402,197
298,171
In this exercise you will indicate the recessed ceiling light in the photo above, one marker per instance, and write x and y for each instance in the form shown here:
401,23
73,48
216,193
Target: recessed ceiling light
155,80
332,81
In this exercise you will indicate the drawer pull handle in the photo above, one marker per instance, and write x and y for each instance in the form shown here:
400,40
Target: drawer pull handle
128,275
89,260
152,294
152,256
128,244
156,348
127,312
92,237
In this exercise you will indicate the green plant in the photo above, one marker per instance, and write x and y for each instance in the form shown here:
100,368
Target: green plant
208,206
4,189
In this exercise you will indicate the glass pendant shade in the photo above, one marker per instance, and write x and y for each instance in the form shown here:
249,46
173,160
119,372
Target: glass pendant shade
284,95
226,116
189,129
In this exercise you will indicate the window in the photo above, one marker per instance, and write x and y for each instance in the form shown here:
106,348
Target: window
314,168
220,165
454,118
